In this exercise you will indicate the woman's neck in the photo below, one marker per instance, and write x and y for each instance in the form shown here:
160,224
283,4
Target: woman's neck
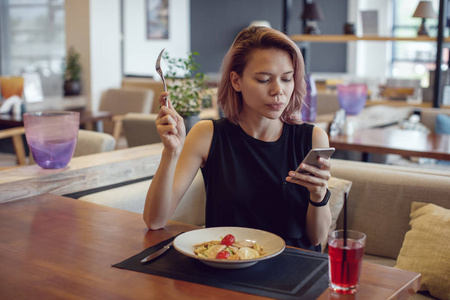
263,129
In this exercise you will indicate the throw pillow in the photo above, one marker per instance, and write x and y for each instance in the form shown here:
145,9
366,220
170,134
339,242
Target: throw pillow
338,187
426,248
442,124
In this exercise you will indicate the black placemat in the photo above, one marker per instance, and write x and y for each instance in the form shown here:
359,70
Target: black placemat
293,274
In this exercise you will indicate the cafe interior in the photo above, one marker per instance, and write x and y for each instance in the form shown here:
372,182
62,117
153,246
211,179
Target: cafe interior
378,83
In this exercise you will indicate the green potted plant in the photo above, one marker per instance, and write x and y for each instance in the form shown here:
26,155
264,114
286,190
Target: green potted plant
72,73
185,85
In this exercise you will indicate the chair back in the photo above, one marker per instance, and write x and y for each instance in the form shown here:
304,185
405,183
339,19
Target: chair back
140,129
92,142
146,83
122,101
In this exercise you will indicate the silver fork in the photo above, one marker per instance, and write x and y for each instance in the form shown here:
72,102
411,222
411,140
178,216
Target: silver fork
158,69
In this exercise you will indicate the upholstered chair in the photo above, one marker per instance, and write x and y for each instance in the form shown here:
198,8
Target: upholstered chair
122,101
140,129
16,134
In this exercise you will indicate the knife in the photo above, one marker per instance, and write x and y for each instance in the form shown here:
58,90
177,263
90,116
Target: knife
157,253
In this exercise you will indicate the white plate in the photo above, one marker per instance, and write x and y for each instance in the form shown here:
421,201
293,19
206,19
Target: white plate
271,243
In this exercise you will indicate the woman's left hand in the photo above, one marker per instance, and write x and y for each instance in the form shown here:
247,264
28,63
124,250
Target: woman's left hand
316,182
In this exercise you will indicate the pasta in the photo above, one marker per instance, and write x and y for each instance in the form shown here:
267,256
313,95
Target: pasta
226,250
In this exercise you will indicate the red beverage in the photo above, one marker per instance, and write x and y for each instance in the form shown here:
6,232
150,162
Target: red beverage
345,263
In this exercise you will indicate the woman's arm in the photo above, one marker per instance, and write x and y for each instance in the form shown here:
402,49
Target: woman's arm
318,218
179,164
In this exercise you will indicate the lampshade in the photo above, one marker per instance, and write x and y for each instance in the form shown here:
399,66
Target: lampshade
260,23
312,11
424,10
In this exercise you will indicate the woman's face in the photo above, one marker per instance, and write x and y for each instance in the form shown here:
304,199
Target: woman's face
267,82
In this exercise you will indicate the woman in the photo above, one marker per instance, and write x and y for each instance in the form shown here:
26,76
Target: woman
247,159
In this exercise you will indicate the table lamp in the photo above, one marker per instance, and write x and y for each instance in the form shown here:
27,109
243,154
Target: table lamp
312,13
424,10
260,23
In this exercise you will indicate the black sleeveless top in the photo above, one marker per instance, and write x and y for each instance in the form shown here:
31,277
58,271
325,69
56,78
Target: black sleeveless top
245,181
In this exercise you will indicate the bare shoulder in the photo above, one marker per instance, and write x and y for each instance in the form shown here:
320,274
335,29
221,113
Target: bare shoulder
198,141
202,129
319,138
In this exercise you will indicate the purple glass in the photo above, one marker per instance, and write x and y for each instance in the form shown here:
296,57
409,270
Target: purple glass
52,137
309,105
352,97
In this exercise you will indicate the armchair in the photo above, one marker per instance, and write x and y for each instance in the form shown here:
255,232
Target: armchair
122,101
140,129
16,134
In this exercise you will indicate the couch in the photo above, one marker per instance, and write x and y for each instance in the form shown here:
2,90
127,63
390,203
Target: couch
379,204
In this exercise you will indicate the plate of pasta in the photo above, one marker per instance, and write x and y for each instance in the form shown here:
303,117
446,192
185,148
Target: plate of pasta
229,247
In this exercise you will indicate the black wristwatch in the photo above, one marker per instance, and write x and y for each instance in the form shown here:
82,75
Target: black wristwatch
324,201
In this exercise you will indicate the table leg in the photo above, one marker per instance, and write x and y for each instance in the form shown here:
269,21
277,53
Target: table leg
366,157
19,149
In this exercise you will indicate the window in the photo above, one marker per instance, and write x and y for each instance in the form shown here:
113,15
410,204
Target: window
32,37
413,60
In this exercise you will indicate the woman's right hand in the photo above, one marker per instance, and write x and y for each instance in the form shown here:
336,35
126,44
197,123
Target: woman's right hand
170,125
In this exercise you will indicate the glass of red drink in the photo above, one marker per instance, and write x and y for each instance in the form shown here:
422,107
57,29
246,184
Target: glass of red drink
52,136
344,261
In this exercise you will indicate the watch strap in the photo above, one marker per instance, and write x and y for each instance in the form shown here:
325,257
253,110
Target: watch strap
323,202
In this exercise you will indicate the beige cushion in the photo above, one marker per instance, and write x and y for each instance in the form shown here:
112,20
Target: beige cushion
338,187
91,142
426,248
131,197
122,101
380,200
140,129
388,262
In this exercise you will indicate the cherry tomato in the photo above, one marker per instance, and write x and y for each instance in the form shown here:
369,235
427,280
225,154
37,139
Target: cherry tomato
223,254
228,240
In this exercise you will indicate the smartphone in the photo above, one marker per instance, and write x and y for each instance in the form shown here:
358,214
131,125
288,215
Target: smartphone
313,155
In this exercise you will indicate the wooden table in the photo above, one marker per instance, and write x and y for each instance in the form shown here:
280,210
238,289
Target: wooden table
395,141
401,103
87,119
53,247
83,173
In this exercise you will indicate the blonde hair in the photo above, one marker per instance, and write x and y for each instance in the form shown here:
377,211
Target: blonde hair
249,39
